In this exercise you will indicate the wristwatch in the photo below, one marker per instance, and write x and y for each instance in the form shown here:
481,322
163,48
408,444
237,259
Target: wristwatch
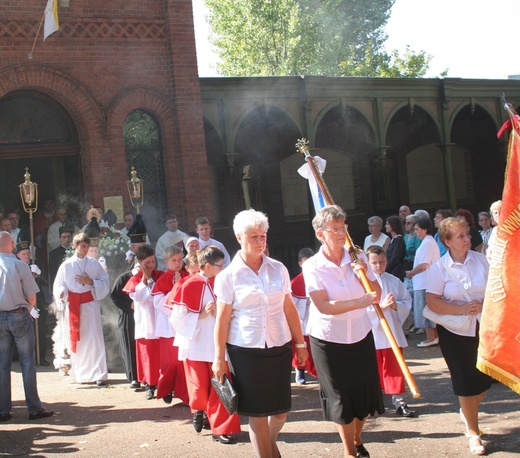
302,345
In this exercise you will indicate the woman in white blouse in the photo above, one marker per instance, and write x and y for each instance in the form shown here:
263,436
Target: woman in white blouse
256,318
427,253
340,332
376,237
461,274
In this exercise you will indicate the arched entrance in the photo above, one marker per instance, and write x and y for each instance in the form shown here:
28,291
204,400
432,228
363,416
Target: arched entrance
36,132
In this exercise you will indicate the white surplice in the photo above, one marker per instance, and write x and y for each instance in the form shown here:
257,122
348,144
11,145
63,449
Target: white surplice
89,362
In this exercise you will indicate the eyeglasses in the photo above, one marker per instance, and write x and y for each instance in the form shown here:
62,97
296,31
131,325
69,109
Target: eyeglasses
217,265
409,222
336,230
257,238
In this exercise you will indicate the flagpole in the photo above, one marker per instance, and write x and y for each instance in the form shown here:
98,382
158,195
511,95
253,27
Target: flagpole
302,147
36,37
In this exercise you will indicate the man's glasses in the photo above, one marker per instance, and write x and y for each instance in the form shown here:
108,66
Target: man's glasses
217,265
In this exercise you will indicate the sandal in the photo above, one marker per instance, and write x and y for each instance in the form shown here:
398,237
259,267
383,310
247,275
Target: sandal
463,419
475,445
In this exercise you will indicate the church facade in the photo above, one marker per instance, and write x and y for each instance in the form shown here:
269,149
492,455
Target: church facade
117,87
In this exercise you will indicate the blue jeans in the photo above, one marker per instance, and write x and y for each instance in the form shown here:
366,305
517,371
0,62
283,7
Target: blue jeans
18,329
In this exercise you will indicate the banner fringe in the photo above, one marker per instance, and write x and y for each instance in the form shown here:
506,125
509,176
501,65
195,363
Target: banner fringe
499,374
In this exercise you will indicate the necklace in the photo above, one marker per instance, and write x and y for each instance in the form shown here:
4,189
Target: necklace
82,272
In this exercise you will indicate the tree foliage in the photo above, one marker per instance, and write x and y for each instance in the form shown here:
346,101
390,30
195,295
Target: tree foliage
307,37
140,130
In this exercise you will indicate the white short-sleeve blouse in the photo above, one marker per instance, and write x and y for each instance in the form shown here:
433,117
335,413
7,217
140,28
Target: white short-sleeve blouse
340,283
258,318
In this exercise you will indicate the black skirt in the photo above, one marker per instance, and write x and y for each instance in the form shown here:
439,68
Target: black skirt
349,379
262,379
460,354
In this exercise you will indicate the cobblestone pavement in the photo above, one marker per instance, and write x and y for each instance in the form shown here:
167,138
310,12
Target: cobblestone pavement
118,422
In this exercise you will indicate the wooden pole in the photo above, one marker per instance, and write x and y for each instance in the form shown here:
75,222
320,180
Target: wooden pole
302,146
36,37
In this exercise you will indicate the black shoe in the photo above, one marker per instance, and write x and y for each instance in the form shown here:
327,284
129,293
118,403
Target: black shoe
43,363
404,411
224,439
150,393
198,420
168,398
362,452
205,421
42,413
5,416
135,384
102,383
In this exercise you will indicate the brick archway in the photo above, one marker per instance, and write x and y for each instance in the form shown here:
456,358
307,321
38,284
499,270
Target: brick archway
149,100
82,107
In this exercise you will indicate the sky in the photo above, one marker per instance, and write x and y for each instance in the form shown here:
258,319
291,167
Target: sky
472,39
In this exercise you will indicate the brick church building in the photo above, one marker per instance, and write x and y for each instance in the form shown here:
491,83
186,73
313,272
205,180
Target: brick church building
63,112
117,86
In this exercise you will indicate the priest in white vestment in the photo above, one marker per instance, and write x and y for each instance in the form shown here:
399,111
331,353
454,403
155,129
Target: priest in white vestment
80,284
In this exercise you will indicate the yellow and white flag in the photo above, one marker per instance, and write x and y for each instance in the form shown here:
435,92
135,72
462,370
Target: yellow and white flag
51,18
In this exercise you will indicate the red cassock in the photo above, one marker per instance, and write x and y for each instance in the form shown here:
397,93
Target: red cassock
148,356
298,291
172,378
198,373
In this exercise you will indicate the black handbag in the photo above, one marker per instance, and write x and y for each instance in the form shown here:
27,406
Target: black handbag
227,394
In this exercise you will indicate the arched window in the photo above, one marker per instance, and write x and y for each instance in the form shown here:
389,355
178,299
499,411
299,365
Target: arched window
37,132
143,150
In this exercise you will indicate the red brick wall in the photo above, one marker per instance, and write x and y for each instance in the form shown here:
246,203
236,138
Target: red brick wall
108,58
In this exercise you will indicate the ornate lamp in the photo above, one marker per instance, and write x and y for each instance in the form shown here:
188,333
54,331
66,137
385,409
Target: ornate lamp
135,190
29,196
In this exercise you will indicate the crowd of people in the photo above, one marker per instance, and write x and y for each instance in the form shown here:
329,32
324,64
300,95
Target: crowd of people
188,312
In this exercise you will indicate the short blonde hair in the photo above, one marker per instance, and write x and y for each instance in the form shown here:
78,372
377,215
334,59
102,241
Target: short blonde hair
327,214
448,225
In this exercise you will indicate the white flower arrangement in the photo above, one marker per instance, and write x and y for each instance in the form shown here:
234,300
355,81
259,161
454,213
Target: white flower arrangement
111,242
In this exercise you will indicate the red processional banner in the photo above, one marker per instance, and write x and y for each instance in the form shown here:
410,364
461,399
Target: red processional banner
499,349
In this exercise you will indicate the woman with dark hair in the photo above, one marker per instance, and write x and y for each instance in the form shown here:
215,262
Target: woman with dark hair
396,251
425,256
476,238
456,286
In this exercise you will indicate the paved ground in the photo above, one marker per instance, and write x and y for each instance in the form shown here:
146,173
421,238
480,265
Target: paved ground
118,422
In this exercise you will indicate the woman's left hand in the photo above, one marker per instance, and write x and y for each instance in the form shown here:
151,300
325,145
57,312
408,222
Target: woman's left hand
219,368
474,307
359,265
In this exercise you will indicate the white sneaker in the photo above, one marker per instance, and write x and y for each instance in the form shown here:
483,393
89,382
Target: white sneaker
431,343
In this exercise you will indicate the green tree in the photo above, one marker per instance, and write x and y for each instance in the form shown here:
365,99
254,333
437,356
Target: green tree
307,37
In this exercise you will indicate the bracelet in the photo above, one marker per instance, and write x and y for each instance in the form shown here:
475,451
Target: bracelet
302,345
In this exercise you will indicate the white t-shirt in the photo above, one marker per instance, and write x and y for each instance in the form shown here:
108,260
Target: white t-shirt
258,302
340,283
472,275
427,253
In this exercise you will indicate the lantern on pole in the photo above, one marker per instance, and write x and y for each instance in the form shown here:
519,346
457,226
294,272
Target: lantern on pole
29,196
135,190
